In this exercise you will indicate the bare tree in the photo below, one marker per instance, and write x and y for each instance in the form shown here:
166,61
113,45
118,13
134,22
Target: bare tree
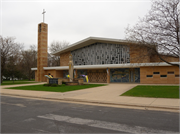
8,48
159,30
12,67
55,46
29,60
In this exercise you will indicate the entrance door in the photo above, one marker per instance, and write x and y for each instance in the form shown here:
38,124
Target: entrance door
125,75
137,75
119,75
132,75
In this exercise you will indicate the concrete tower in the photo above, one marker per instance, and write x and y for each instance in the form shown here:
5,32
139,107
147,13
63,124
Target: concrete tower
42,60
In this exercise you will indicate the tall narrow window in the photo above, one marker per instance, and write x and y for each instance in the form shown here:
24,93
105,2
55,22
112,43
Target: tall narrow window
39,27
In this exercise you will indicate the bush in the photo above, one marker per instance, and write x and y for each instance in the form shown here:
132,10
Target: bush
63,82
46,85
54,85
51,85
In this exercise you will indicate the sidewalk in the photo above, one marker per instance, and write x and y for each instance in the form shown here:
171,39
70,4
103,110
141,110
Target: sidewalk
108,95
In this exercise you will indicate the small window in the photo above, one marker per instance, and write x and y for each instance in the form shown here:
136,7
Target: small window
39,27
149,75
177,75
171,72
163,75
156,73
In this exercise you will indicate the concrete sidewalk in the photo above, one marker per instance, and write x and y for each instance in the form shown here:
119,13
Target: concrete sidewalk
108,95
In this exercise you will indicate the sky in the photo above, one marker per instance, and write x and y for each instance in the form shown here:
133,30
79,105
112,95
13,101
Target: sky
69,20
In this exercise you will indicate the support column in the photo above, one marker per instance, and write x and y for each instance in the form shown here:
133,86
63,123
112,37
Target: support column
108,75
75,76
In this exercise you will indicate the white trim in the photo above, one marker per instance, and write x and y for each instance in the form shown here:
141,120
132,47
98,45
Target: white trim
33,69
104,66
84,42
56,68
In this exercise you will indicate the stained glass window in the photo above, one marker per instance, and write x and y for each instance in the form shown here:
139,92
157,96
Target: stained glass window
101,53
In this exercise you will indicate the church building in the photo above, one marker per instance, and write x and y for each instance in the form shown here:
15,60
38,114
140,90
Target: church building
106,60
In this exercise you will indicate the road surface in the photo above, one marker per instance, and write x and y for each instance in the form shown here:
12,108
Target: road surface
24,115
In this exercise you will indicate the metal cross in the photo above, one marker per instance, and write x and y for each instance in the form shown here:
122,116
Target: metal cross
43,14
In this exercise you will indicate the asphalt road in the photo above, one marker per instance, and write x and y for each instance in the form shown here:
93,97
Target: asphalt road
21,115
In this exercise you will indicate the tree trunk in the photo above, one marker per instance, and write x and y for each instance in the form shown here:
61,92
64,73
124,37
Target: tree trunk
29,78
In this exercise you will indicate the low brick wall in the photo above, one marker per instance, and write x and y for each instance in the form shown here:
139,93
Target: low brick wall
159,75
75,81
72,83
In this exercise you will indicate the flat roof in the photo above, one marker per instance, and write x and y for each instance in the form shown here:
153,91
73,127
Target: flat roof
88,41
104,66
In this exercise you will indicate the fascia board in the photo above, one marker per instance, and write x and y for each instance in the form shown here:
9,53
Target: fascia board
86,42
56,68
33,69
104,66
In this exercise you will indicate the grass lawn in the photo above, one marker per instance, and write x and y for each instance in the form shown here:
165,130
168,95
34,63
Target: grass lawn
154,91
16,82
59,88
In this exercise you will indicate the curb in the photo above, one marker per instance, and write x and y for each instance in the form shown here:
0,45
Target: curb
99,102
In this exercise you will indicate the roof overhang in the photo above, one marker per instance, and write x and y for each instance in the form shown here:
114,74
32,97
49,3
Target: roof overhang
104,66
89,41
34,69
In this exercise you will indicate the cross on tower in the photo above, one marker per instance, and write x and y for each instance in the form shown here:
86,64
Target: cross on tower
43,14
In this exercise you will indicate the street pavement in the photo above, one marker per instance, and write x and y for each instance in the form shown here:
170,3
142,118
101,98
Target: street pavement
24,115
107,95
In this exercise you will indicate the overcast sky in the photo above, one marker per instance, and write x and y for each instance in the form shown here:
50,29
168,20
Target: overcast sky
70,21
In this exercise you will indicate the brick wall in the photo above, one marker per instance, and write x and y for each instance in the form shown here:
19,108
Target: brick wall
172,77
42,52
139,54
64,59
52,72
155,58
59,73
55,73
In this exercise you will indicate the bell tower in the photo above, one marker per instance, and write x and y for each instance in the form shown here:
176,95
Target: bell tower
42,60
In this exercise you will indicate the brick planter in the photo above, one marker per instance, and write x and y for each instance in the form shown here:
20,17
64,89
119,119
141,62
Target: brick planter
72,83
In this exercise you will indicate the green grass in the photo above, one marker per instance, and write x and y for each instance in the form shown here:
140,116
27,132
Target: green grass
59,88
154,91
16,82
